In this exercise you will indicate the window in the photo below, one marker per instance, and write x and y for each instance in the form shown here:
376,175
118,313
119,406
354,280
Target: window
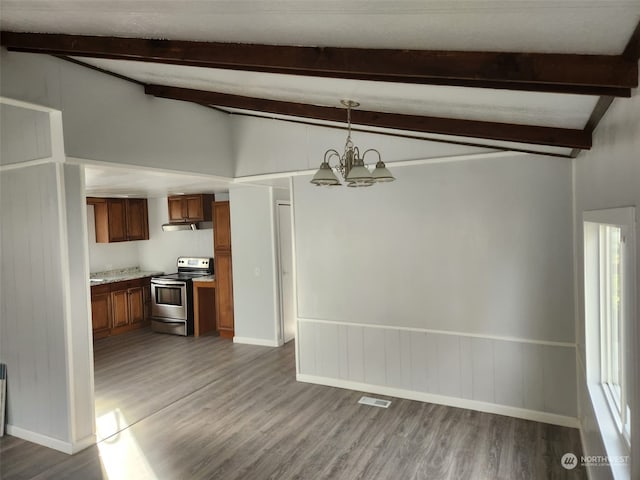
609,248
612,332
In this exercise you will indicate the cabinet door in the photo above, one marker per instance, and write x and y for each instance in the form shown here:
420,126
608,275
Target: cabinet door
146,297
120,308
221,226
100,312
194,208
136,305
137,222
117,220
224,292
176,210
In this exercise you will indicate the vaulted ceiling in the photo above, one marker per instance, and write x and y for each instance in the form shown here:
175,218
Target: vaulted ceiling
531,75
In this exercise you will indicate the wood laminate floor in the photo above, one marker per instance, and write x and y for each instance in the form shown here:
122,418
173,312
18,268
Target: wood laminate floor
205,408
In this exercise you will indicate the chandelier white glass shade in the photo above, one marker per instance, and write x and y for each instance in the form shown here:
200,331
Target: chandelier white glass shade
351,164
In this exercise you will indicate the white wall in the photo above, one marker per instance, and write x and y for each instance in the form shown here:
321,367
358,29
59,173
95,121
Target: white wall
112,120
455,281
163,248
271,146
26,134
607,176
255,297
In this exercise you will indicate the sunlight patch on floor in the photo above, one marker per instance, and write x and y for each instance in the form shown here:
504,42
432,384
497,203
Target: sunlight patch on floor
120,454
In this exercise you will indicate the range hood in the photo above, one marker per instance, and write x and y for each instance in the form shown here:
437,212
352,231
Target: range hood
174,227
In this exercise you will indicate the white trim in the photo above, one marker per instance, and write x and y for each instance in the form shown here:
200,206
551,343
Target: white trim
29,163
611,216
275,269
443,332
295,275
57,136
255,341
137,168
50,442
66,292
30,106
524,413
85,254
280,327
394,164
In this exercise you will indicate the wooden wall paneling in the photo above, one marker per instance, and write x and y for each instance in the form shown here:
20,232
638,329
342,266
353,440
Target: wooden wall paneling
466,367
532,376
418,350
375,371
508,373
393,363
449,366
482,372
326,337
307,348
355,345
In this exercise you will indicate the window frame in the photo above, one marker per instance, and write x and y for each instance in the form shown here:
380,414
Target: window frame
616,424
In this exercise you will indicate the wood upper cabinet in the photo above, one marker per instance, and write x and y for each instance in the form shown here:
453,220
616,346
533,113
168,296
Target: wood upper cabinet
190,208
221,226
120,219
137,221
223,268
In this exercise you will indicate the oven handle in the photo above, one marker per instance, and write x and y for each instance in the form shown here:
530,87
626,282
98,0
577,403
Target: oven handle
169,283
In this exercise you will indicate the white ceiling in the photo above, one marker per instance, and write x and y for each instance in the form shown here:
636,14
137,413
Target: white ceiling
548,26
563,26
533,108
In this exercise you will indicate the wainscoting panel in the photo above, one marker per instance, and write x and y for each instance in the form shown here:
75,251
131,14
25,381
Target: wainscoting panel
525,375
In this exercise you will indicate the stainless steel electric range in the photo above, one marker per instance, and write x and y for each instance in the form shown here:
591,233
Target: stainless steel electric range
172,296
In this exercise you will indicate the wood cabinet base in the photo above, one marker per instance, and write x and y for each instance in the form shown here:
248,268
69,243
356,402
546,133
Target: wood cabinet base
226,333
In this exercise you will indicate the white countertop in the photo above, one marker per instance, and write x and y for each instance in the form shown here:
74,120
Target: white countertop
124,274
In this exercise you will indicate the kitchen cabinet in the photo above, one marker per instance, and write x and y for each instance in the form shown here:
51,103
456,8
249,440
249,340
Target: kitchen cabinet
223,269
190,208
120,219
100,310
222,227
120,306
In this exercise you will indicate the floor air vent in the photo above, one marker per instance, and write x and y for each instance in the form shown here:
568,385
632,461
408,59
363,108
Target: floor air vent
375,402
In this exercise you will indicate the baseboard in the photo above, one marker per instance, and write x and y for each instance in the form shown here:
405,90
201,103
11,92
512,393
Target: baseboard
516,412
255,341
54,443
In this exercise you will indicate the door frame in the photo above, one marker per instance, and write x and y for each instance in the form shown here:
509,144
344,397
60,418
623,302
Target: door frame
280,322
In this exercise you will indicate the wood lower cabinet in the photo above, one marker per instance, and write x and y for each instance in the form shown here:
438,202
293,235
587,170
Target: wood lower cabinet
224,294
223,268
100,311
119,307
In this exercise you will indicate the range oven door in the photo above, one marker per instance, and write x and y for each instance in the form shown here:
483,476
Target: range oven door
168,299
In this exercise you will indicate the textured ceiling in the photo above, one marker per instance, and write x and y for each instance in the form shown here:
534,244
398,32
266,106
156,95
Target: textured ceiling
564,26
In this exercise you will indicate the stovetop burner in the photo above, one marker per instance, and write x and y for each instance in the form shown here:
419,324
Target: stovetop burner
184,275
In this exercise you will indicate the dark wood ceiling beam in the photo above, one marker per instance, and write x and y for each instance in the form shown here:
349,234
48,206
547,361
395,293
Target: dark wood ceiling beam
557,137
610,75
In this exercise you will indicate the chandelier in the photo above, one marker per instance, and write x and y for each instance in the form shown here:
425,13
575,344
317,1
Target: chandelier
350,164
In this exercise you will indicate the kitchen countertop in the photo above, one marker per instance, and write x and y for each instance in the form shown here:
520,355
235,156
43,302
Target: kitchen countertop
121,275
208,278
